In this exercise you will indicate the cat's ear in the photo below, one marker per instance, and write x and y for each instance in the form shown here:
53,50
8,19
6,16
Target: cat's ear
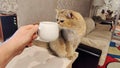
74,15
69,15
57,10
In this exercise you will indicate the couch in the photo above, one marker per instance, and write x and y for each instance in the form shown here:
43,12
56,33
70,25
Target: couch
97,36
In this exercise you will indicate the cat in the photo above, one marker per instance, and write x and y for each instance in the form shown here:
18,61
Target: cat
72,29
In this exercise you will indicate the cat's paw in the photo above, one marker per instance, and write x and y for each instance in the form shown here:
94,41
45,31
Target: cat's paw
74,56
70,57
70,54
62,54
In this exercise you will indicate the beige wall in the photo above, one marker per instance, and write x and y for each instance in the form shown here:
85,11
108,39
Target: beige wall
82,6
30,11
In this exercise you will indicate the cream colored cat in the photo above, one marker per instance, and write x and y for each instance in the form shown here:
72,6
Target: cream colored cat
73,28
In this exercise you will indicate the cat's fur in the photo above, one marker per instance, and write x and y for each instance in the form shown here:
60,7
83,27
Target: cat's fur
72,29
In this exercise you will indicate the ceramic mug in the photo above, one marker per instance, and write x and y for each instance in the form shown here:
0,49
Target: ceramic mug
48,31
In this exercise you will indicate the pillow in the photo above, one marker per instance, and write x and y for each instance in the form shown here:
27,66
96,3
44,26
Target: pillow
90,24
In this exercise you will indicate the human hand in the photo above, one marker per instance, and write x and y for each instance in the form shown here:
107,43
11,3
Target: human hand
15,45
24,36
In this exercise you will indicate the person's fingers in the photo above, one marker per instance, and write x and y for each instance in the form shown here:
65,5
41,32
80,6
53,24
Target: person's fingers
34,30
30,44
34,36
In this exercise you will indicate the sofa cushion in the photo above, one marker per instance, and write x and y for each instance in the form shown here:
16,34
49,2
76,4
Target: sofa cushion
98,39
90,24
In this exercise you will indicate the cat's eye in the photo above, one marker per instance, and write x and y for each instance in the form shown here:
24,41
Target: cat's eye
61,20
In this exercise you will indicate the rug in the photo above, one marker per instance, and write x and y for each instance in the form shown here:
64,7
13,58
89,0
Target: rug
114,50
109,59
113,65
113,57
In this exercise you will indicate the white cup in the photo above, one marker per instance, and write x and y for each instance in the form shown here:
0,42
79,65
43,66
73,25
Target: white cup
48,31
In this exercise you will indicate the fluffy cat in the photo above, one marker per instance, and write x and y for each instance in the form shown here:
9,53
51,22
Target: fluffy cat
72,29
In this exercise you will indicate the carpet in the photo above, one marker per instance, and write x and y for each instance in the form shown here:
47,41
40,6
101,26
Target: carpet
114,65
113,57
109,59
114,50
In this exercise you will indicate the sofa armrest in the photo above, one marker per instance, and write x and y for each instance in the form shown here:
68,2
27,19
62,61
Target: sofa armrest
99,26
90,24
